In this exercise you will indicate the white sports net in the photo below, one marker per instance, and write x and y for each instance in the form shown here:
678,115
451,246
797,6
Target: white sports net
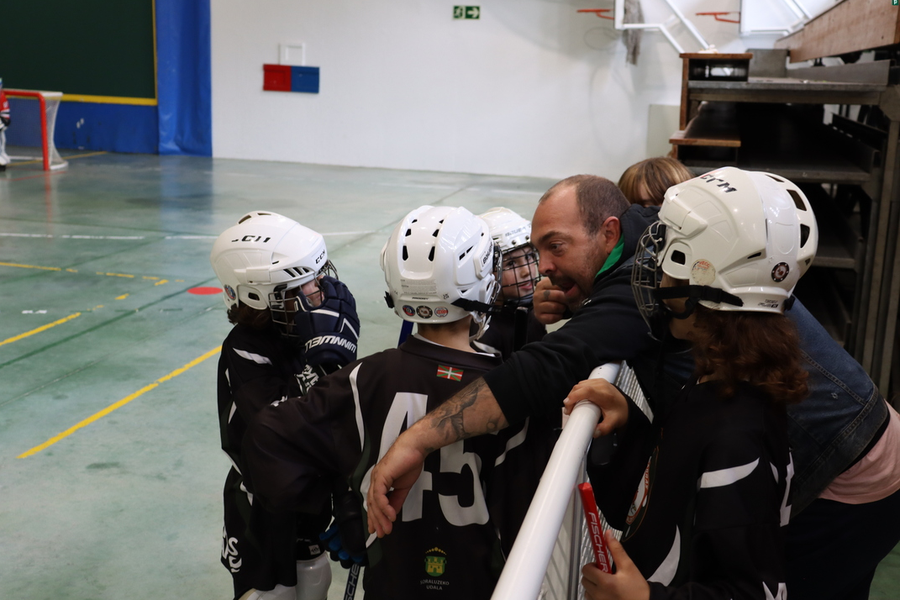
26,137
572,547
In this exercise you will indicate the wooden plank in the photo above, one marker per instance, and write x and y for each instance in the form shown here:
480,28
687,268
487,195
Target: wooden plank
876,72
849,26
714,125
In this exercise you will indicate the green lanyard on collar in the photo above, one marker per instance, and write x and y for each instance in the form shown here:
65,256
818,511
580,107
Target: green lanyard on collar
613,257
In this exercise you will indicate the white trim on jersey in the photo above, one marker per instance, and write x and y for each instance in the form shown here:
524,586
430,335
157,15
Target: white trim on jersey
257,358
725,477
360,426
516,440
665,572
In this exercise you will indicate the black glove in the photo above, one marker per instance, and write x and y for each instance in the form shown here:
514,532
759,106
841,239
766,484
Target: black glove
346,538
330,330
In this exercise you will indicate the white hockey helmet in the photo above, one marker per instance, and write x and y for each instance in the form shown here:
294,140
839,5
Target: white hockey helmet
264,256
742,240
509,230
440,265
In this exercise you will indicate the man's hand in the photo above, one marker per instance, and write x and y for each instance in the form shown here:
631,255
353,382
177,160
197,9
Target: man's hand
390,482
549,302
611,401
626,583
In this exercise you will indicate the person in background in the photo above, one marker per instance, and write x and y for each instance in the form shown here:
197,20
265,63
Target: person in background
440,267
713,471
646,182
294,322
4,123
512,322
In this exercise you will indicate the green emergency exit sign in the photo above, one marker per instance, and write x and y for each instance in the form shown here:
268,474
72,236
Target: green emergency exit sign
468,12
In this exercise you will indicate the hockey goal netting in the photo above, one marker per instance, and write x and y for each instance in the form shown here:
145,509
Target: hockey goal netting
33,123
553,544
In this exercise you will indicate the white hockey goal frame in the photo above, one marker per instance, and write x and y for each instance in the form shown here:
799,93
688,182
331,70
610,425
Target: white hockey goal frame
48,105
552,545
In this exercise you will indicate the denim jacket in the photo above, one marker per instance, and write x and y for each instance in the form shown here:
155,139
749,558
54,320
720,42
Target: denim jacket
842,414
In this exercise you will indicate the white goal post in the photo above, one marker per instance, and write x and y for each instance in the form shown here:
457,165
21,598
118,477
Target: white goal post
47,106
553,533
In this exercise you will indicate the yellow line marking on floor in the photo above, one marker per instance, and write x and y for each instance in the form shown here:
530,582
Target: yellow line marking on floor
6,264
122,297
158,280
119,404
39,329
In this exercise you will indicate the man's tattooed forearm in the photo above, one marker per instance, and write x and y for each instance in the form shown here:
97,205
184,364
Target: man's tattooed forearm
449,416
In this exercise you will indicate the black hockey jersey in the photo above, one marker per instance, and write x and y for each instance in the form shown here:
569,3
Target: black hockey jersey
260,549
256,368
445,540
706,521
510,329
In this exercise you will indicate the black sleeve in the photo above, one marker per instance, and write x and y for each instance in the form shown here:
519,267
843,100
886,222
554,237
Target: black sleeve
290,451
536,379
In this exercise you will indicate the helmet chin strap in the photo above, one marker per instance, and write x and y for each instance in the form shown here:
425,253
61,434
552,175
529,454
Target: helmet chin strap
694,294
472,305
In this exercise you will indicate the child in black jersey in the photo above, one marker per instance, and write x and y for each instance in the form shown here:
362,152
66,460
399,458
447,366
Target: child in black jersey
293,322
713,473
440,266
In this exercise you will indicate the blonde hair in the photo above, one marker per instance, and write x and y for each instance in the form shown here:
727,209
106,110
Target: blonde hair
655,176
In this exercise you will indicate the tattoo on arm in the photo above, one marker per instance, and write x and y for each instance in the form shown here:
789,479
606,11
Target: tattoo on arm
475,401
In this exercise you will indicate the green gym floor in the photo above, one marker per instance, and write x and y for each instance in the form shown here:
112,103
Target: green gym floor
110,466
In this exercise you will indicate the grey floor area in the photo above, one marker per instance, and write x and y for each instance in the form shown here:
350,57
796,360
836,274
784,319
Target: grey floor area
100,265
110,466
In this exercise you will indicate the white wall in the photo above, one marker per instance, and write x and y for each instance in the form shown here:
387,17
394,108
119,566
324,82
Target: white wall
531,88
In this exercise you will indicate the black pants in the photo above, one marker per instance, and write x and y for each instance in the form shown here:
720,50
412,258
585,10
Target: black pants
834,548
261,549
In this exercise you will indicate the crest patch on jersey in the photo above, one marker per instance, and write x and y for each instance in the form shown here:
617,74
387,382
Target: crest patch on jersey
435,562
449,373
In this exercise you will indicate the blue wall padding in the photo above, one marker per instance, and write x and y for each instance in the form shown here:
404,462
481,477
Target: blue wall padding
184,77
305,79
110,127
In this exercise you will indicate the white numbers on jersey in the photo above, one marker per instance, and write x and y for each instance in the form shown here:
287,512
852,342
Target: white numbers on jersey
230,552
406,409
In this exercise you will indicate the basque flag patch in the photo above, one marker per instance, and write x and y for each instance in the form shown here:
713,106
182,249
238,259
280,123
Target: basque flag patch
449,373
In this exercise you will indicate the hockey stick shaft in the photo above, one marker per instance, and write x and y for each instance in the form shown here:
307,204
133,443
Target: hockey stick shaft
352,581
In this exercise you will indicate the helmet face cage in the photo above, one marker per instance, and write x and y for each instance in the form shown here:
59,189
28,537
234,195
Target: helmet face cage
285,302
519,274
512,234
646,276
